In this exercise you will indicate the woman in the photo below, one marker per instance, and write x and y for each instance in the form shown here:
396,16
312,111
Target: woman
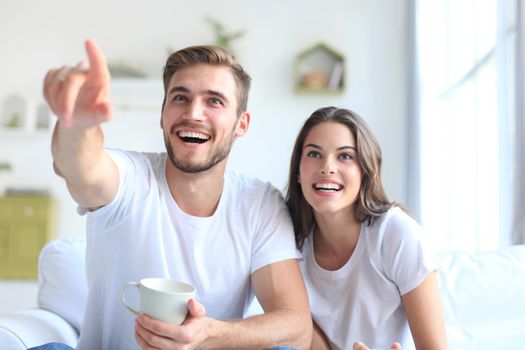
368,273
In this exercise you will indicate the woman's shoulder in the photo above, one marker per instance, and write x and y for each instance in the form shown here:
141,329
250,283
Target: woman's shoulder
397,218
395,225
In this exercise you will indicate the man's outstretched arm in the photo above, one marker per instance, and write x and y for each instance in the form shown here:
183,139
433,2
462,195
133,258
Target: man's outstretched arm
80,98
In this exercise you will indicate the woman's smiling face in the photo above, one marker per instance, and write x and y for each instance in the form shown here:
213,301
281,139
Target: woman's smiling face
330,175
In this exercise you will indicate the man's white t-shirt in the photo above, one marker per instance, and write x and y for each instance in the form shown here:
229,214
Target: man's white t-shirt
361,301
143,233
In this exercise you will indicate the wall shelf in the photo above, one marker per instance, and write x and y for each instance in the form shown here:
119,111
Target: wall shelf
20,116
137,94
320,69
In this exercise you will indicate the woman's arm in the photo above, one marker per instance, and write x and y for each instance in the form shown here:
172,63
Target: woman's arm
425,315
319,341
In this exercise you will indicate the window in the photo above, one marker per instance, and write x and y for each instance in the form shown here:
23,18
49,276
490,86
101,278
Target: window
465,56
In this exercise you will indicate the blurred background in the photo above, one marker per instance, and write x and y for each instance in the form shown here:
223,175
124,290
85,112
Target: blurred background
439,82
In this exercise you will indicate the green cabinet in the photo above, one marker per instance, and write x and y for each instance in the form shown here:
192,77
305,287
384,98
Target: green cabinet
27,223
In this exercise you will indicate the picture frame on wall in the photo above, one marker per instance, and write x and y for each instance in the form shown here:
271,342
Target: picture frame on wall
13,113
19,115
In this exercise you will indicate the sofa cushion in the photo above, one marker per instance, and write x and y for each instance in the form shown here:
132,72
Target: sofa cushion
483,298
62,278
33,327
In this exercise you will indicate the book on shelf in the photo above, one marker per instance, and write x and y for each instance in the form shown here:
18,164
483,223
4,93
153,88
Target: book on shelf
336,76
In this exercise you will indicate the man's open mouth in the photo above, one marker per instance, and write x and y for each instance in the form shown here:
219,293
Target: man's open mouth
193,136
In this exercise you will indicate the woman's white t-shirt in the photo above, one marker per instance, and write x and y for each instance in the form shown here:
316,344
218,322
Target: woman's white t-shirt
361,301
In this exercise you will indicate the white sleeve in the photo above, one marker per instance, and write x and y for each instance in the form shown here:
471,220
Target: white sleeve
132,169
406,256
274,239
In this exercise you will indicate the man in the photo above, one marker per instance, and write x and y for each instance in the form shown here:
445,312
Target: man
177,214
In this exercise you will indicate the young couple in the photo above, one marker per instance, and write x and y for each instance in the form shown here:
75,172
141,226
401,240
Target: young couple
180,215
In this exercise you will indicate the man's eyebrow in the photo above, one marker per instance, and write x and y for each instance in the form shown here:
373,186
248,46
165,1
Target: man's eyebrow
207,92
217,93
178,89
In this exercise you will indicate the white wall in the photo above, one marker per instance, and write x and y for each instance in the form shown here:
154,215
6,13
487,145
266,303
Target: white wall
37,35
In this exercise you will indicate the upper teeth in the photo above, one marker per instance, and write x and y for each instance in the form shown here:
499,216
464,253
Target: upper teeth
193,134
327,186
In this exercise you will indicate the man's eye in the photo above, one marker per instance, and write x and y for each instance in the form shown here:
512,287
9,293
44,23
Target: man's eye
179,98
215,101
313,154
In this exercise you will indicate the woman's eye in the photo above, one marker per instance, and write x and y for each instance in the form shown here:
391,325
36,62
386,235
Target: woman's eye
346,156
313,154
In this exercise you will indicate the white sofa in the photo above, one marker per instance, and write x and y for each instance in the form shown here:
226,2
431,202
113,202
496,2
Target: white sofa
483,296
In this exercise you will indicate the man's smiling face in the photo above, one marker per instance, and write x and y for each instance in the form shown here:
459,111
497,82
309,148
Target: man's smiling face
199,118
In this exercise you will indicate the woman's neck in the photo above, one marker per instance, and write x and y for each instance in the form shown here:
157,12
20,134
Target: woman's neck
335,238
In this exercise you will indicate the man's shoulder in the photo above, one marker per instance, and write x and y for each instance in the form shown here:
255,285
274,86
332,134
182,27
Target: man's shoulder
156,159
148,159
246,182
251,188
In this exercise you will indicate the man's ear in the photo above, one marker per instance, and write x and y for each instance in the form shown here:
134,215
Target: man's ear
161,117
243,124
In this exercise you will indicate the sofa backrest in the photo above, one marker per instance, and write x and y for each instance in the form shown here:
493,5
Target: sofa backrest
62,278
483,297
483,293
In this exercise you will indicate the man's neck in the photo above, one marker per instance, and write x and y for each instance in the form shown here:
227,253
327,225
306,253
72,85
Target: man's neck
196,194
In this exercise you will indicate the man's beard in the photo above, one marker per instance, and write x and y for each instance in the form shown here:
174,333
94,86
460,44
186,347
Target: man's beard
218,154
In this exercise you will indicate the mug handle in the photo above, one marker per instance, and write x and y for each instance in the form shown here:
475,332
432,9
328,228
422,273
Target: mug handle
123,297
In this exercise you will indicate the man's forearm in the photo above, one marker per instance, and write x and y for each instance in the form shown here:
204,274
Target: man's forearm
78,156
276,328
76,152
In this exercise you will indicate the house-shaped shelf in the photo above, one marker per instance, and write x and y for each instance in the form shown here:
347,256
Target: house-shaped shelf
320,69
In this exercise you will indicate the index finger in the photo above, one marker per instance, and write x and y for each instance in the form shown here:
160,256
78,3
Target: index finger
98,69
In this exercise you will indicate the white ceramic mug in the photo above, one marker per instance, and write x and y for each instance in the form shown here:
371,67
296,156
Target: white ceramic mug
162,299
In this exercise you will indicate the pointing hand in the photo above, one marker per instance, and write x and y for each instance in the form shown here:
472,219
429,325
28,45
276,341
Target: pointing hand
80,96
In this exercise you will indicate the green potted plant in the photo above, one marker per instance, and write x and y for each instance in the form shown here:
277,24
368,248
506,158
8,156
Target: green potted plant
5,166
222,37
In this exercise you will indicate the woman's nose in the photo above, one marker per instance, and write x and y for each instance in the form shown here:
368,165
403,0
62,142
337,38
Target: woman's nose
328,167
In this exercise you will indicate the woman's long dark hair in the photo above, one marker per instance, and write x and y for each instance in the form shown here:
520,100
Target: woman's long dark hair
372,200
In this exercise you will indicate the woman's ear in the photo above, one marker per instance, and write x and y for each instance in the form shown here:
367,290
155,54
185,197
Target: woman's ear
298,178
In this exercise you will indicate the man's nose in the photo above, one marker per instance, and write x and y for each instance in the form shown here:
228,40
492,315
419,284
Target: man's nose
194,110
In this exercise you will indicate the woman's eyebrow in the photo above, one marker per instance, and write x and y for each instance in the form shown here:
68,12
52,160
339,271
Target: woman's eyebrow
347,147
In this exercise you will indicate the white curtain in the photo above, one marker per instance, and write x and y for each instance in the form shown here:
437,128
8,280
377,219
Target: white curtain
469,120
518,181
